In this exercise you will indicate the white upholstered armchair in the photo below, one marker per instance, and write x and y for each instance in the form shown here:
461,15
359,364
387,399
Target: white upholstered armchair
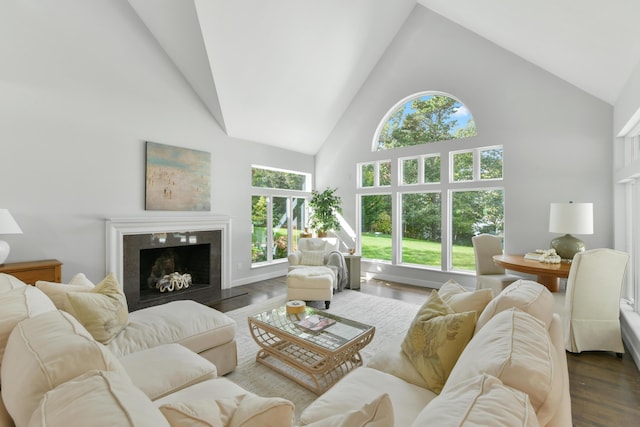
591,306
313,251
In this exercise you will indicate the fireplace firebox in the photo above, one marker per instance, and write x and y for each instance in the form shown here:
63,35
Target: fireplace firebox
151,259
162,260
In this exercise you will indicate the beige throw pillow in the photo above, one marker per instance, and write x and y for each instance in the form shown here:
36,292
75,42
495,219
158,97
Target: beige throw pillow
377,413
436,338
103,311
461,300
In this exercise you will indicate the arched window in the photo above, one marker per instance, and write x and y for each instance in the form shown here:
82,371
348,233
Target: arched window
421,207
422,119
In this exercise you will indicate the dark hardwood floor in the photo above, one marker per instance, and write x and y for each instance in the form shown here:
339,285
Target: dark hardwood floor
605,389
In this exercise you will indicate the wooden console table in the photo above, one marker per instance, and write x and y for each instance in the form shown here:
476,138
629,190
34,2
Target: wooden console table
547,274
30,272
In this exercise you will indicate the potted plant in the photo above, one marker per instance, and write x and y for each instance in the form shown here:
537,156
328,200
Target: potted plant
324,207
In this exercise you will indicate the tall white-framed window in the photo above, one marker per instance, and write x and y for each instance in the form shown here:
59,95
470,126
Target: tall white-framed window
627,195
279,212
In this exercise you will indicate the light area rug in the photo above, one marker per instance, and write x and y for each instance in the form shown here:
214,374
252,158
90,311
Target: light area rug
390,317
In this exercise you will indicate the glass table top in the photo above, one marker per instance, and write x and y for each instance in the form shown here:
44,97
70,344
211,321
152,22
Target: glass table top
335,331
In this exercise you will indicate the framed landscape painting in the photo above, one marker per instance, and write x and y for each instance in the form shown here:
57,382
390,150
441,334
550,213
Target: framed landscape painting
177,179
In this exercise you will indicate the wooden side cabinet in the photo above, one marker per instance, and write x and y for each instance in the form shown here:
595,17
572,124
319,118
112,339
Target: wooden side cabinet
30,272
353,265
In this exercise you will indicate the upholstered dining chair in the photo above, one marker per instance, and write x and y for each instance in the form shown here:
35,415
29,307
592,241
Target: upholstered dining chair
488,273
591,308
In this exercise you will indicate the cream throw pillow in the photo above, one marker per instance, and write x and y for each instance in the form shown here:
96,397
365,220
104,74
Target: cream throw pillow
462,300
436,338
377,413
103,311
57,292
246,410
312,258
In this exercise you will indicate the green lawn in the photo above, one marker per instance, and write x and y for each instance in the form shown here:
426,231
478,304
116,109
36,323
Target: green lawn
416,251
378,246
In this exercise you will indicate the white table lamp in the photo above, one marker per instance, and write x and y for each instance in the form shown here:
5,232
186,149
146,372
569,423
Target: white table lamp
8,225
570,218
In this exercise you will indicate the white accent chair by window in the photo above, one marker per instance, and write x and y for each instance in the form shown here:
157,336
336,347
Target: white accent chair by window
590,307
489,275
309,277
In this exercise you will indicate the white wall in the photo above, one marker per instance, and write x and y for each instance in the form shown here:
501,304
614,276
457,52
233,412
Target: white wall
82,86
556,138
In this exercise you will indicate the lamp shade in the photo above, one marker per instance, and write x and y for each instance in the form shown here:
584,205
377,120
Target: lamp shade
8,225
571,218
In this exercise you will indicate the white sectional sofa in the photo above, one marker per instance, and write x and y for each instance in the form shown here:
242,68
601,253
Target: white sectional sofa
54,373
512,372
207,332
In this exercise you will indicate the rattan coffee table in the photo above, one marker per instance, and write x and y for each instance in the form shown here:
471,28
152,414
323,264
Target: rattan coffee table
315,360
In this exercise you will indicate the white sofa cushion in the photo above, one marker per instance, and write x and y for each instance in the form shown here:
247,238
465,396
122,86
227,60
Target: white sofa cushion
216,389
377,413
185,322
57,292
174,367
528,296
392,360
246,410
19,303
43,352
364,385
97,398
515,347
476,401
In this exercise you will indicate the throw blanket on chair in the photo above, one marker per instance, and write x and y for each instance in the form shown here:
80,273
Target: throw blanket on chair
337,263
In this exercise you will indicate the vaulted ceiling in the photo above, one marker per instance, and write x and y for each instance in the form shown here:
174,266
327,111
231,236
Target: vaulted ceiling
282,72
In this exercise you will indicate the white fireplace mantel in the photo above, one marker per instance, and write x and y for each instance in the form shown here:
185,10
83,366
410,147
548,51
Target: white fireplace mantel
116,228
